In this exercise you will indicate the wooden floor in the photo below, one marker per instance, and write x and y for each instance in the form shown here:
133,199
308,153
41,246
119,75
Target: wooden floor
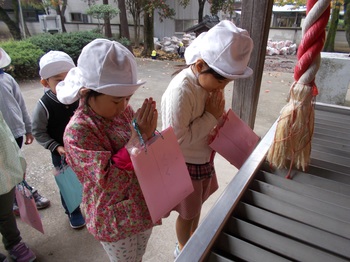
262,216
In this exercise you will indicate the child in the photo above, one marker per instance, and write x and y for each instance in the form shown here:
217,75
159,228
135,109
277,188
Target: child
98,139
181,50
15,113
12,169
194,102
50,117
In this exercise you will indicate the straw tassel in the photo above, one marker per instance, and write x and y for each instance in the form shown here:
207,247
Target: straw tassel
295,127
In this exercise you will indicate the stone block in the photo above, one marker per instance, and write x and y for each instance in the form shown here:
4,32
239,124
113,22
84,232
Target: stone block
333,78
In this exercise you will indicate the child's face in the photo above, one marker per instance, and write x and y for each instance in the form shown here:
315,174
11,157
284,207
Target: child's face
52,81
109,106
211,84
207,80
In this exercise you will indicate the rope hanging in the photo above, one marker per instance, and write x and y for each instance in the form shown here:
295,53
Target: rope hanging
292,142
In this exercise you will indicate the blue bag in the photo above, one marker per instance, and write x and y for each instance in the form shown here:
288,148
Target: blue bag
70,187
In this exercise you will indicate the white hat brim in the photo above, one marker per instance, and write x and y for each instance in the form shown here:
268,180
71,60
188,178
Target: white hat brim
247,73
5,59
68,89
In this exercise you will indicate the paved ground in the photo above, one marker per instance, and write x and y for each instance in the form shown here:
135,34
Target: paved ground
60,242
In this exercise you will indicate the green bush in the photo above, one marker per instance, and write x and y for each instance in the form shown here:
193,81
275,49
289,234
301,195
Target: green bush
26,54
71,43
24,59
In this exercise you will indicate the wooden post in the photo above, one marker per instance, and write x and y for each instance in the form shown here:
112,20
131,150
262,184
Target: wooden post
256,19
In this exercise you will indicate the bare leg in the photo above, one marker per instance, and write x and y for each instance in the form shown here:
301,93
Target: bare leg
184,229
195,224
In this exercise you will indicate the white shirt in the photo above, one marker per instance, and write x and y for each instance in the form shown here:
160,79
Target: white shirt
183,108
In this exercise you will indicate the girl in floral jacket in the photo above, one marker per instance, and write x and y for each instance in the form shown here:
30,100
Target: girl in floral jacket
98,140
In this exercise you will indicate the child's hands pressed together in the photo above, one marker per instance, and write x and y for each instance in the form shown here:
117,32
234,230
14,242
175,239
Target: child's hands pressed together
146,118
215,103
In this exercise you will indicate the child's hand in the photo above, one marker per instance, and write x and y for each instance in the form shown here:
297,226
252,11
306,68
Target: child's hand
60,150
215,104
147,117
29,139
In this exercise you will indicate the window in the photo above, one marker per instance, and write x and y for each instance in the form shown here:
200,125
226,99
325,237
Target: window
79,17
31,14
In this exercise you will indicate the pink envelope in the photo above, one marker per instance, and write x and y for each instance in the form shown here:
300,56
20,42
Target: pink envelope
27,208
235,140
162,174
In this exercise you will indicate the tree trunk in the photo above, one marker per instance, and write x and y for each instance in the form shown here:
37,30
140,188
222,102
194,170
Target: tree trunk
333,25
63,18
107,23
124,25
138,31
347,20
148,34
60,13
201,4
12,26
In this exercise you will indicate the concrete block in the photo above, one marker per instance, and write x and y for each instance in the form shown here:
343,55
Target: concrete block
333,78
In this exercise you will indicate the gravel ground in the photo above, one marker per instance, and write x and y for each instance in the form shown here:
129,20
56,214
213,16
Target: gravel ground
280,63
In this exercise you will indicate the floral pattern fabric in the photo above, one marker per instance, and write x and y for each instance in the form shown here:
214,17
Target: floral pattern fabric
113,202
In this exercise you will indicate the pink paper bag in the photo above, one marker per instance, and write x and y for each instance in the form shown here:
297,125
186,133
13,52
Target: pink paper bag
235,140
162,173
27,208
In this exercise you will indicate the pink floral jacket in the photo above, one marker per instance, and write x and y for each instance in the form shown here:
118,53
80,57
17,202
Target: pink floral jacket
113,201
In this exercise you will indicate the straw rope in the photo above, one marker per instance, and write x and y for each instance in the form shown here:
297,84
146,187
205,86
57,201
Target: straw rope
295,127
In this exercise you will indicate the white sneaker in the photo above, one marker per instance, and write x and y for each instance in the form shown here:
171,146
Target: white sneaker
177,250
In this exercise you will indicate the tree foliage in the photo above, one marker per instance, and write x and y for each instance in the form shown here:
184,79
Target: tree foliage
290,2
103,12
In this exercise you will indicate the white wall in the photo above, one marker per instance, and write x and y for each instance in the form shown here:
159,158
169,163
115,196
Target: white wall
294,35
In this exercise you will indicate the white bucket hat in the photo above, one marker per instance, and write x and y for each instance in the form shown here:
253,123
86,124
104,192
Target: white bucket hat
5,59
54,63
104,66
226,49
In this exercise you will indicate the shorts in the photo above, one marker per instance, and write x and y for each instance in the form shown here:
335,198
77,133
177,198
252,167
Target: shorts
191,206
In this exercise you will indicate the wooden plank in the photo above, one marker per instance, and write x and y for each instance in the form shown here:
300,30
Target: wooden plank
297,213
277,243
314,178
324,137
244,250
330,158
334,110
302,189
337,177
335,212
214,257
331,133
324,163
324,126
332,119
299,231
333,145
255,18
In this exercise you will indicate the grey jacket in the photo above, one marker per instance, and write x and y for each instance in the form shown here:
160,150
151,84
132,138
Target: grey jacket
12,106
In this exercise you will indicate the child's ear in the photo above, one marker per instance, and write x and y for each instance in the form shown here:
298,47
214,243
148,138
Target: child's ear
44,82
199,65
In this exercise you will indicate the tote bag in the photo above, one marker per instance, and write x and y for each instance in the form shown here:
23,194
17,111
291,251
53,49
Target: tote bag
70,187
162,173
27,207
235,140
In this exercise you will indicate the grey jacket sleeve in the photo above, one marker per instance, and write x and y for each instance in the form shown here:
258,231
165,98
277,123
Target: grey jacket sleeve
39,125
18,96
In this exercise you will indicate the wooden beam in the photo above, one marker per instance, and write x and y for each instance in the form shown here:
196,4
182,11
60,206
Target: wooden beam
256,19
